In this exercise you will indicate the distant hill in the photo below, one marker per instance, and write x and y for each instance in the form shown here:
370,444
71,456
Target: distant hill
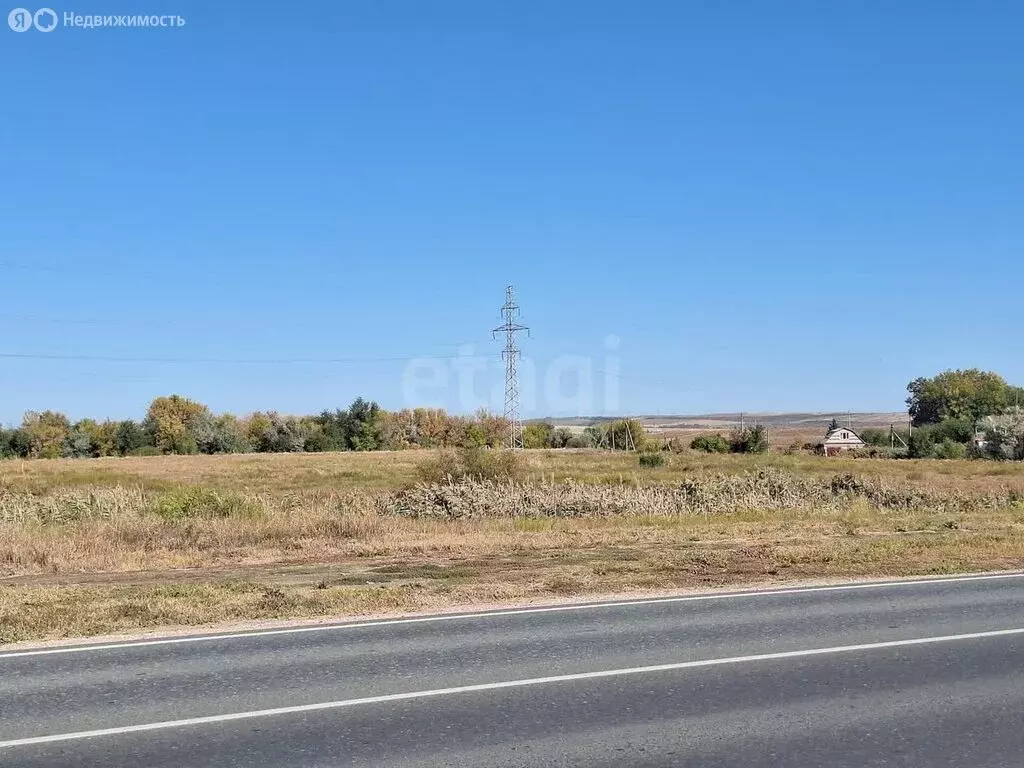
705,421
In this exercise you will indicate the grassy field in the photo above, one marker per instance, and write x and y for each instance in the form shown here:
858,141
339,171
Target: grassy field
284,473
108,545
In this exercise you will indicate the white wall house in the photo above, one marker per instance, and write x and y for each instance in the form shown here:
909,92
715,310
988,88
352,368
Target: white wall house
840,439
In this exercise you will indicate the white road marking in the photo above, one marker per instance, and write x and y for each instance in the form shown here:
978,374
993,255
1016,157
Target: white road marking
167,724
506,612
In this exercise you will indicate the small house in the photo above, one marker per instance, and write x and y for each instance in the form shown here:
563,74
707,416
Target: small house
840,439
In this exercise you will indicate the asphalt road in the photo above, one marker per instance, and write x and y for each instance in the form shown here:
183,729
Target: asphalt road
909,674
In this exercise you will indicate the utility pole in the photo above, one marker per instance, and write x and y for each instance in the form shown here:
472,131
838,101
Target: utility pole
510,313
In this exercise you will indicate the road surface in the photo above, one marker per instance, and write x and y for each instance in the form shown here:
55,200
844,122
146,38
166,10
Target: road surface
927,673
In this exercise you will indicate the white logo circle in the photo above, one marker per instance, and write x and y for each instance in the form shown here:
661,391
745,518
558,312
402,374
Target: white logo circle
45,19
20,20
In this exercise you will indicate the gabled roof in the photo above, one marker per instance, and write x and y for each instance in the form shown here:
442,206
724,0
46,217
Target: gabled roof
852,435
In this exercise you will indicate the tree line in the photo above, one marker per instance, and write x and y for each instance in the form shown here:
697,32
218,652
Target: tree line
955,414
178,425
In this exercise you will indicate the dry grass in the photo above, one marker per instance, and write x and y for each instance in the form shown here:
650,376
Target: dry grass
98,546
286,473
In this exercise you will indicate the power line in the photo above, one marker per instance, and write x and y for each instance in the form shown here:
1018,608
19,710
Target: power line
231,361
209,324
510,311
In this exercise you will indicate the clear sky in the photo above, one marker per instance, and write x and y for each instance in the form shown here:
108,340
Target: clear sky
771,205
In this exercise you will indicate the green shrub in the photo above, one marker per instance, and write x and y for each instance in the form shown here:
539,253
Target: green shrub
583,439
710,443
146,450
749,440
922,443
191,502
652,459
536,434
948,449
628,433
874,436
560,438
449,465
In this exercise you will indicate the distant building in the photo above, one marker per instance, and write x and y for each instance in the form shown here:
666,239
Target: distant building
840,439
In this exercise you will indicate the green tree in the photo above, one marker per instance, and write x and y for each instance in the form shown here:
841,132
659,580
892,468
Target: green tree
364,425
359,428
18,443
626,434
7,450
969,394
129,436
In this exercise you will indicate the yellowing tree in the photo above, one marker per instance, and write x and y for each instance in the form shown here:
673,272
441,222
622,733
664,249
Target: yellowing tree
46,432
169,421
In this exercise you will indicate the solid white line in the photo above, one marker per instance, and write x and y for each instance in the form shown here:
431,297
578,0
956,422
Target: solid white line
508,612
121,730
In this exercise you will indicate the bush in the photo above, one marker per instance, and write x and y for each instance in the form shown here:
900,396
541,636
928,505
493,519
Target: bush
560,438
452,465
675,445
710,443
198,502
922,444
1004,435
873,436
536,434
749,440
146,450
583,439
650,459
948,449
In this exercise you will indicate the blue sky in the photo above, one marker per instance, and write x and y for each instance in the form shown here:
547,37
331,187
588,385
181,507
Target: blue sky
772,206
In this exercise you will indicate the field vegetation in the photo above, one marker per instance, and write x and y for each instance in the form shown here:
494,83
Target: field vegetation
122,544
